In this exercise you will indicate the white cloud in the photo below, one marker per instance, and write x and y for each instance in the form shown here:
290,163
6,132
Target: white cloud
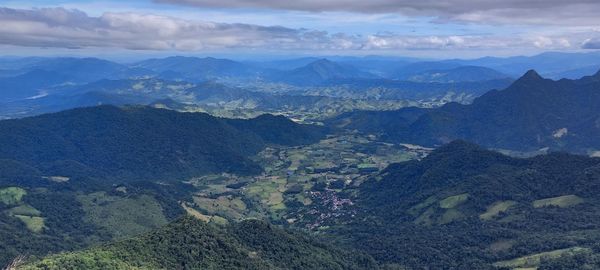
66,28
58,27
556,12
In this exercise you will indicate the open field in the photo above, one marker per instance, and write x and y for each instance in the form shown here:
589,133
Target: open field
11,195
533,260
34,224
562,201
450,215
122,216
25,210
428,202
454,201
228,206
496,208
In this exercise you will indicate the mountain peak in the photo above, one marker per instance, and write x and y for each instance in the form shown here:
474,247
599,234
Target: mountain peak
322,61
531,75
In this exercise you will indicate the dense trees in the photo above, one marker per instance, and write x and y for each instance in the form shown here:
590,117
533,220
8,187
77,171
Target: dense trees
530,114
141,142
429,213
192,244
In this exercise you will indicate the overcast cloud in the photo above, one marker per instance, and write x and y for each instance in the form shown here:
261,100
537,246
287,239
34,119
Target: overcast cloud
71,28
560,12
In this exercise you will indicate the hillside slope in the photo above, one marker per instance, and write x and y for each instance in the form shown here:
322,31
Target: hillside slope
143,142
192,244
464,207
532,113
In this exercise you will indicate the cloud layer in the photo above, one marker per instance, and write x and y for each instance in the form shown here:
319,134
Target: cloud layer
592,44
66,28
560,12
59,27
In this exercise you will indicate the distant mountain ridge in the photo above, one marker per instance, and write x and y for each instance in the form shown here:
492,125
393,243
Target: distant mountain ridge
530,114
196,69
458,74
320,71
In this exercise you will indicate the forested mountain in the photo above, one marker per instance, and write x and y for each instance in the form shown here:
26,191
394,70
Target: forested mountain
29,84
142,142
547,63
532,113
458,74
189,243
319,72
196,69
38,77
463,207
90,175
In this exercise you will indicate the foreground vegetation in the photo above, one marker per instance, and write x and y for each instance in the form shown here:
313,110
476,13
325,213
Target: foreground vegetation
190,243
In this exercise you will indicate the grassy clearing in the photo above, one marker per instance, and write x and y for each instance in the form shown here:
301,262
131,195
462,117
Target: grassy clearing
193,212
12,195
561,201
24,210
296,160
449,216
229,206
206,218
58,179
28,215
496,208
268,192
426,218
454,201
278,207
428,202
34,224
122,216
533,260
304,200
275,198
502,245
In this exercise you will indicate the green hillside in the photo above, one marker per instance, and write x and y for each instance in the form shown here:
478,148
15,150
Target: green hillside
87,176
465,207
531,114
190,243
142,142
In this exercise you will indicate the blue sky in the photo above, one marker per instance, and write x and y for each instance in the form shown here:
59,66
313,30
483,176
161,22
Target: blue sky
426,28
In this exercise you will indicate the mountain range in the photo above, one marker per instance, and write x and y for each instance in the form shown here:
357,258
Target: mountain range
531,114
319,72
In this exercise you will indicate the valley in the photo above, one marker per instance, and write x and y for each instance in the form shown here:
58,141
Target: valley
208,163
299,184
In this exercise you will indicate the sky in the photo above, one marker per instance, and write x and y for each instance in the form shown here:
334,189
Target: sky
270,28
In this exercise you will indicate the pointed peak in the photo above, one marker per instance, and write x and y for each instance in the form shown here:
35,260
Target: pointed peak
322,61
597,75
531,75
323,64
